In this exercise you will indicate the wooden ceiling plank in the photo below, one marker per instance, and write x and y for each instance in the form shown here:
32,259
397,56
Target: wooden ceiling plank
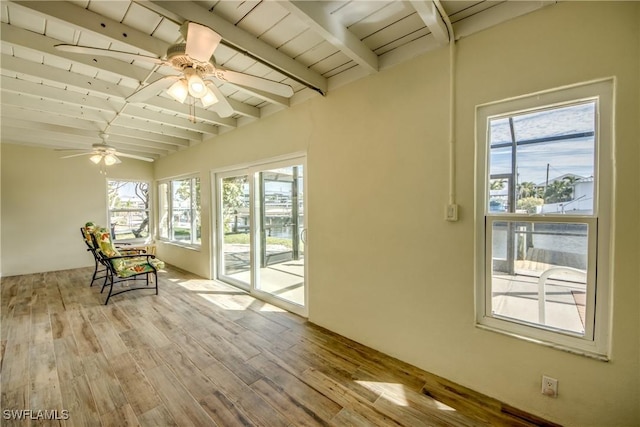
76,112
113,93
176,124
141,138
317,17
61,139
60,95
499,13
183,109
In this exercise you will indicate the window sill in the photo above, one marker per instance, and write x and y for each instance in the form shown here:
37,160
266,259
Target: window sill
196,248
561,347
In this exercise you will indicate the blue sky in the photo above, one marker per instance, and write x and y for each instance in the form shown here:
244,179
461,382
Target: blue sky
574,156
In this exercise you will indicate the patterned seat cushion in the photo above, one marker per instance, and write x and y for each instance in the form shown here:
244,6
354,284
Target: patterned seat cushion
132,266
124,267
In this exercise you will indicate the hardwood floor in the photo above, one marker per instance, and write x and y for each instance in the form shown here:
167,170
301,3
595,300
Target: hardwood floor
202,354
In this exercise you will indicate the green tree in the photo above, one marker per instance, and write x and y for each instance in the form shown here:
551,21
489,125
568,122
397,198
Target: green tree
528,189
141,190
529,204
497,184
560,190
232,200
185,193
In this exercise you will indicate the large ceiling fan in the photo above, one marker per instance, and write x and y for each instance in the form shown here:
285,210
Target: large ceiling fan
197,70
104,154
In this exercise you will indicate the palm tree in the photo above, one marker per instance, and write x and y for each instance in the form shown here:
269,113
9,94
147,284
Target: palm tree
560,190
527,189
497,184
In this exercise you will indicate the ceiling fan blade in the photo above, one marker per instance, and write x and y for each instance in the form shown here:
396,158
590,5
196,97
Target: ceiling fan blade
222,107
133,156
254,82
201,41
123,56
151,89
76,155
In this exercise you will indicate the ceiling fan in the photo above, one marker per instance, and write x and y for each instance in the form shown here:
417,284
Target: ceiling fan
105,154
197,70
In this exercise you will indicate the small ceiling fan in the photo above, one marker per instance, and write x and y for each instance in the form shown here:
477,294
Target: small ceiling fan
105,154
195,62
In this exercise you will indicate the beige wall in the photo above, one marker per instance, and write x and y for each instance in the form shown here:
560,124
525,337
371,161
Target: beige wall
384,267
45,200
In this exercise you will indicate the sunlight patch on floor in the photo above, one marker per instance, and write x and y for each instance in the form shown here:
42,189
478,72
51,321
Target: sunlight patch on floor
395,391
227,302
400,395
272,309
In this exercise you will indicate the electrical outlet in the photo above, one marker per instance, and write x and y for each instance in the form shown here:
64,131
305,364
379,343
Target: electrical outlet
451,213
549,386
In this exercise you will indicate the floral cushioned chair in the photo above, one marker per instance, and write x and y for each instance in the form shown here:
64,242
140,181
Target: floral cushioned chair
122,267
86,231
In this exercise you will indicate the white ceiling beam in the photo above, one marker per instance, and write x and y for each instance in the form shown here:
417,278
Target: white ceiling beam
39,43
20,113
61,96
56,108
431,17
316,16
63,136
141,138
165,124
278,100
47,73
243,109
112,92
138,118
86,20
243,41
183,110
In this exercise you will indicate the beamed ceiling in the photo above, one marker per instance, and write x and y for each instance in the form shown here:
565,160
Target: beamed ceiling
60,99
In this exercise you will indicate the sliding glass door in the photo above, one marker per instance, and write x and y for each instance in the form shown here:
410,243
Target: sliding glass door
281,228
234,248
262,232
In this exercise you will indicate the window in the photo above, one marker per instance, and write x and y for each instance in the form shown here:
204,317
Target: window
179,208
544,189
128,210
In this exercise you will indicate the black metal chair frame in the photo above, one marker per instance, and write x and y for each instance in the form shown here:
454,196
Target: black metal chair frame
112,275
97,260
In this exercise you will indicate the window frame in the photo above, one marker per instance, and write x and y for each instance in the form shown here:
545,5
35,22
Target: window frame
168,197
596,340
148,210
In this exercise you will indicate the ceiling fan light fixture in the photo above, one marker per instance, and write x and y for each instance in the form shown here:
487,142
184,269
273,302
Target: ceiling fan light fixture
110,159
209,98
96,158
179,91
197,88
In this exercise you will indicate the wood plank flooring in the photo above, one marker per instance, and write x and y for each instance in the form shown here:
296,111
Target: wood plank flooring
202,354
